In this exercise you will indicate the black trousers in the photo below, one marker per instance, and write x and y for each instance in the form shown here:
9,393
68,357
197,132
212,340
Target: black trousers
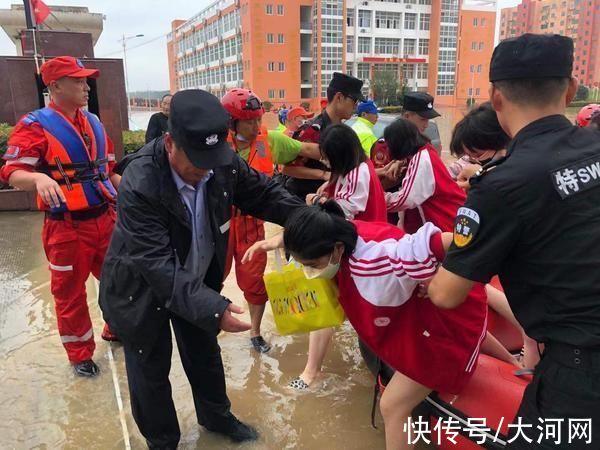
150,390
566,386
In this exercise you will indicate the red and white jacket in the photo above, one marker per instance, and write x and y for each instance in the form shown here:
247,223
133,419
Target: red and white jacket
428,193
360,194
378,291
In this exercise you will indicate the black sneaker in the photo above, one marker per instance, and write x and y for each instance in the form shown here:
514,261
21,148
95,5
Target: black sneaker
86,368
260,345
235,430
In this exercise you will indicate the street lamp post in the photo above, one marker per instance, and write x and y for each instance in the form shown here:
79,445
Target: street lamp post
124,42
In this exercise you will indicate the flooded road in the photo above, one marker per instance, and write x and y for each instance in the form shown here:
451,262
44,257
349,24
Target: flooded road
45,406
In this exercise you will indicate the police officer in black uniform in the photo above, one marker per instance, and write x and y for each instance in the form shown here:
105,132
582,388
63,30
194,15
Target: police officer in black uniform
534,219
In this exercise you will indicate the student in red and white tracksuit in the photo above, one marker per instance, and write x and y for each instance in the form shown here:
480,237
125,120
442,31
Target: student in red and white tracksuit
378,269
428,194
355,187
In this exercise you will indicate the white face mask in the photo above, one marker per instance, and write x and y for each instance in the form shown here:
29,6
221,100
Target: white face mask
327,273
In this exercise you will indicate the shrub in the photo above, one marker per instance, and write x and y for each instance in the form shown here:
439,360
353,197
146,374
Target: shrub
133,141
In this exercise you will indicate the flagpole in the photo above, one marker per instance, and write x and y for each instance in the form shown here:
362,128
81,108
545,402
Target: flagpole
28,18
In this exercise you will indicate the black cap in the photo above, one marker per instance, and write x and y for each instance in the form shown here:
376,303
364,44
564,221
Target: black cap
347,85
421,103
200,125
532,56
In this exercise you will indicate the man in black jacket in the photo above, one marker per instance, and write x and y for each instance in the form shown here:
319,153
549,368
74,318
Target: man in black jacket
166,259
159,122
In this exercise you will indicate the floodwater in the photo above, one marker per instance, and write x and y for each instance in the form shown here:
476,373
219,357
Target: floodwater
44,406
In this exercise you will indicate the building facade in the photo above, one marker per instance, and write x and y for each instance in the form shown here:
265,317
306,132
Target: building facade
287,50
577,19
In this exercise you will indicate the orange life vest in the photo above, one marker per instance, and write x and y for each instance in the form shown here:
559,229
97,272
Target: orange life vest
259,156
79,164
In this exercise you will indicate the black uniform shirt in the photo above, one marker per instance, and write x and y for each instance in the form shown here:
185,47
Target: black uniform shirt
535,220
157,126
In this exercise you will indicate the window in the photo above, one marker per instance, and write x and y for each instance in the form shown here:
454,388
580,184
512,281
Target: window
422,71
281,93
282,67
424,2
280,38
470,92
424,22
364,18
349,67
280,10
472,68
269,9
271,67
410,47
481,45
475,21
410,21
364,45
271,93
363,71
410,2
388,20
482,22
350,17
423,46
387,46
270,38
349,43
477,91
408,71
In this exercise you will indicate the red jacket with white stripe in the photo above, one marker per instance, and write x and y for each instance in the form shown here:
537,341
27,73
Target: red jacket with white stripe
360,194
378,291
428,193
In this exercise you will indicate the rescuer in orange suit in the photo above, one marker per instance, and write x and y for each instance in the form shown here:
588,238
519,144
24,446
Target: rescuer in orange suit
64,154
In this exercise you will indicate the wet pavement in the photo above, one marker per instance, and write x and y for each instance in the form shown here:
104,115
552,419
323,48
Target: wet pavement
45,406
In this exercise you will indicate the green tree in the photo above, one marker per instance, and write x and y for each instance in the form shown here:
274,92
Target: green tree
582,93
385,87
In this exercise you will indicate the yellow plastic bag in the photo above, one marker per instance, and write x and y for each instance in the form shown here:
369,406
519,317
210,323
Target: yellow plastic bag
300,305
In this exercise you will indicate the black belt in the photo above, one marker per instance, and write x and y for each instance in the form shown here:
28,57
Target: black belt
573,356
85,214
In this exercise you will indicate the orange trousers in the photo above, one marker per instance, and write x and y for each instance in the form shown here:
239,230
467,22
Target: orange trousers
75,248
243,232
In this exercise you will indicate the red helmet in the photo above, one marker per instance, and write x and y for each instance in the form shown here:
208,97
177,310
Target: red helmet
585,114
242,104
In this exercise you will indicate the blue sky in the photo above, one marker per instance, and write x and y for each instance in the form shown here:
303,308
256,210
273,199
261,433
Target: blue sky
147,63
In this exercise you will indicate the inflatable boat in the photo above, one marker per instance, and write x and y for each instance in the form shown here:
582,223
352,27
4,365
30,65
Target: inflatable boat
479,416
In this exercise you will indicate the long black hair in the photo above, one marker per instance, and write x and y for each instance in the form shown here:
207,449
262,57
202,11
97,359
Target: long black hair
404,139
341,147
312,232
478,130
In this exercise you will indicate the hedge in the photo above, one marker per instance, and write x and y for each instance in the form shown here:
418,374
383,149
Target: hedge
132,140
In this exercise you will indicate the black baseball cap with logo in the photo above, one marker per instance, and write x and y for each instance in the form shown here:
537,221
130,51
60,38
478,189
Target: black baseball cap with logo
421,103
199,125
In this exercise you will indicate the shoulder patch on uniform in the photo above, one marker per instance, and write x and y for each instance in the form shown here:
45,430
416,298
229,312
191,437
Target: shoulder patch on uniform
465,227
577,177
12,153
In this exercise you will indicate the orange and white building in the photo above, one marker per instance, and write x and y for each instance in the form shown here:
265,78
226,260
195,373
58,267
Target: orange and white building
578,19
287,50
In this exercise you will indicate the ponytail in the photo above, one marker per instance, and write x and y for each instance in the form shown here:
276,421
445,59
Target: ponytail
312,232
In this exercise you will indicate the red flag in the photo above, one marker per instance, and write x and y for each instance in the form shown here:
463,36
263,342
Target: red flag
40,11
